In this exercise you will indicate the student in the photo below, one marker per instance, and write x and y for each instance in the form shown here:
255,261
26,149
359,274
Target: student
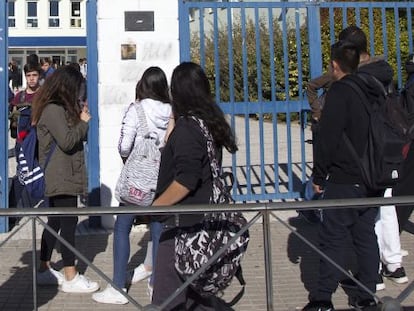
337,176
386,225
62,125
152,94
20,122
404,187
185,175
21,105
47,68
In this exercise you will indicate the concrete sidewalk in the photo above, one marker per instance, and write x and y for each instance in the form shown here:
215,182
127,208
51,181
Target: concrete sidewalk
295,268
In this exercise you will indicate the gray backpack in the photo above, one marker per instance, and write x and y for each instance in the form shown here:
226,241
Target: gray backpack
138,179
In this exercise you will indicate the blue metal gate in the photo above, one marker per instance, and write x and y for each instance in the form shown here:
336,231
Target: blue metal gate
259,57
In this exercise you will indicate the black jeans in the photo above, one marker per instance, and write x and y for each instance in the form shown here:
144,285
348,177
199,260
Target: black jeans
66,225
336,227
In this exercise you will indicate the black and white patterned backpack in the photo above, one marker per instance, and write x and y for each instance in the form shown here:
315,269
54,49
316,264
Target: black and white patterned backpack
193,248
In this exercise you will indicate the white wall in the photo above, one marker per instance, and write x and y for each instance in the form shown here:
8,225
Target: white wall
117,78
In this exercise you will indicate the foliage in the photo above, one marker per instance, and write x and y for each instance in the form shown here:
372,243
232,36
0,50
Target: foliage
241,56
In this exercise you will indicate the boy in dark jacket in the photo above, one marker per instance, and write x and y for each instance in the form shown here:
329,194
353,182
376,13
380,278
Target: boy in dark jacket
338,176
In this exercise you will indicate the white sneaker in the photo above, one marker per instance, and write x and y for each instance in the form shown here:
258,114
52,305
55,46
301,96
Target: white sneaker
110,295
50,277
140,273
404,252
79,284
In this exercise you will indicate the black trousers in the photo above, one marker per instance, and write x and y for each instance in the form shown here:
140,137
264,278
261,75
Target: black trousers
405,187
336,228
66,225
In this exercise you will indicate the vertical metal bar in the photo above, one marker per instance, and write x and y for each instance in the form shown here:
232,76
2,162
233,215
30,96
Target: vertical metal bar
358,16
315,42
93,159
273,78
246,99
34,263
371,30
398,46
259,98
184,31
202,38
4,171
410,29
268,260
285,44
231,85
384,32
216,56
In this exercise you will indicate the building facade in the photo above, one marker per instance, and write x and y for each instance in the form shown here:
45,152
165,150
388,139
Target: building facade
49,28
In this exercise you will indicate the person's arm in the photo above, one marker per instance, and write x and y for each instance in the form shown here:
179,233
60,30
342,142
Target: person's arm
172,195
66,137
128,132
314,85
331,129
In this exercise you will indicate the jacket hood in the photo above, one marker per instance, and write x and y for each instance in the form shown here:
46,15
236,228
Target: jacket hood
157,113
378,68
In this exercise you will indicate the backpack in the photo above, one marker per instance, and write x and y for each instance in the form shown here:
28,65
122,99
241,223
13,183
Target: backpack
407,96
138,179
389,136
203,248
20,117
30,174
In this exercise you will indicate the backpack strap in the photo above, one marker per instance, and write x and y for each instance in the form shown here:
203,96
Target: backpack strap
142,119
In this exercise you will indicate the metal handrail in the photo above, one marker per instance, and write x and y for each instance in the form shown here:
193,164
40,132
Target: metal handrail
208,208
261,209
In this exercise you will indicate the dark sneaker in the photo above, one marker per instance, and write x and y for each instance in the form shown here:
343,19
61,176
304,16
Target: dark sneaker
398,276
380,283
319,306
365,305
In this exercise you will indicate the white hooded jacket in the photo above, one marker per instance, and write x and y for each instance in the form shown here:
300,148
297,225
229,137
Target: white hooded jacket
157,116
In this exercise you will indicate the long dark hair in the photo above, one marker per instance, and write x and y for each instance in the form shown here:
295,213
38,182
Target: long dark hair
153,84
191,96
61,89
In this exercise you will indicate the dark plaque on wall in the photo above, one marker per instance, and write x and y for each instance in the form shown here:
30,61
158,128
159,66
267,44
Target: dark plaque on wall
139,21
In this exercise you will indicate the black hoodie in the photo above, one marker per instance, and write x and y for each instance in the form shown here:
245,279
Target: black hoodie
344,112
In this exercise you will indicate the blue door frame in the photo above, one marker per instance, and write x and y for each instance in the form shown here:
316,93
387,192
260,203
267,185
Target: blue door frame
209,34
93,162
4,167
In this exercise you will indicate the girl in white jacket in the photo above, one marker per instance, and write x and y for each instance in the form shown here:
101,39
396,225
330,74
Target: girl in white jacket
152,94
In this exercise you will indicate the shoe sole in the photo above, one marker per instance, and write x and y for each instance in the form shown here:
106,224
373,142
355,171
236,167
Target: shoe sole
398,280
380,286
118,302
85,291
140,279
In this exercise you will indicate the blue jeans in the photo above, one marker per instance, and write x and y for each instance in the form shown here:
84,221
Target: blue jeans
122,248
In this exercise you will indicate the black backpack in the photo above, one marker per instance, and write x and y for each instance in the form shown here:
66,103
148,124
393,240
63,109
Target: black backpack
407,96
389,135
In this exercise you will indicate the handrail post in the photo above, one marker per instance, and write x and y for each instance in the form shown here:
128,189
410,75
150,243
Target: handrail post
268,260
34,263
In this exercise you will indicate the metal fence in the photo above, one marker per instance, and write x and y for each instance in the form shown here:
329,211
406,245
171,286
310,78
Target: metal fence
262,212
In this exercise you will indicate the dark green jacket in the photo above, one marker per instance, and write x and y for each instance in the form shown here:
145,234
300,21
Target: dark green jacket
66,172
